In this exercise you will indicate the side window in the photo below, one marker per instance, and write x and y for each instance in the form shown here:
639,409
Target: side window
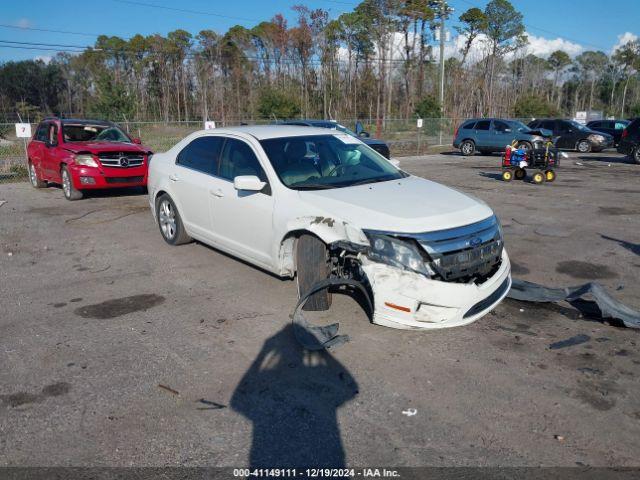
564,127
41,132
619,126
202,154
596,125
483,125
238,159
548,124
52,134
468,126
500,126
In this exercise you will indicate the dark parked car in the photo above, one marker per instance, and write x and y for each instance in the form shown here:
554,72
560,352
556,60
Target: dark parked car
378,145
630,140
571,135
487,135
612,127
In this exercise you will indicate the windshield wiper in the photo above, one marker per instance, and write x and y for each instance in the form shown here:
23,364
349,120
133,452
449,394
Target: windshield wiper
370,180
312,186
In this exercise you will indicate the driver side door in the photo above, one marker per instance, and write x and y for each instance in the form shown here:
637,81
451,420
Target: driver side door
242,220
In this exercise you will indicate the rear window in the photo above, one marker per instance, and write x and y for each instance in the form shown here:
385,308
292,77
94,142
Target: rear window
468,126
483,125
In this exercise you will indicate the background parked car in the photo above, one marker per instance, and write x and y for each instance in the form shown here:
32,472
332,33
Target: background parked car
571,135
378,145
612,127
85,154
630,140
493,134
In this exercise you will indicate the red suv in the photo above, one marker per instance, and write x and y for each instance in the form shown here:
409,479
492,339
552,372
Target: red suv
85,155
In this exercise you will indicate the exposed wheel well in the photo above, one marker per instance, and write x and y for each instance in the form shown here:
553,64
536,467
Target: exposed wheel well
287,253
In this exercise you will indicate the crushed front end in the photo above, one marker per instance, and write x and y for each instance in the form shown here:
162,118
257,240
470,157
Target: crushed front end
436,279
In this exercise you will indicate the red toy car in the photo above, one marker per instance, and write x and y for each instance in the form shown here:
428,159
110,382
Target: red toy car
85,155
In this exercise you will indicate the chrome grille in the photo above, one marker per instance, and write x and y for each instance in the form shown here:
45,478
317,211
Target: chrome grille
121,159
464,253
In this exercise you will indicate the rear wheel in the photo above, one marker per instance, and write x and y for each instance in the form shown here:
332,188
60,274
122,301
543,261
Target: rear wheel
468,148
312,266
70,192
34,178
169,221
549,175
583,146
636,155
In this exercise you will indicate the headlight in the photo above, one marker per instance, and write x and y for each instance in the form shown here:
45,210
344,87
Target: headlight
85,160
596,138
398,253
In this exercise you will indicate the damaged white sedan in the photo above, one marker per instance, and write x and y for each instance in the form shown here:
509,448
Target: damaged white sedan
313,203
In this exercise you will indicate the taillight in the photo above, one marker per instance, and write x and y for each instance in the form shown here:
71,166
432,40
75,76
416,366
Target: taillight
624,133
455,134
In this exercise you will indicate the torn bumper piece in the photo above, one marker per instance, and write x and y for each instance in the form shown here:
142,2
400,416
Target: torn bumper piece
408,300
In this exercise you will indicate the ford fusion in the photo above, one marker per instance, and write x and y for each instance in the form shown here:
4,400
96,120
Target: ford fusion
313,203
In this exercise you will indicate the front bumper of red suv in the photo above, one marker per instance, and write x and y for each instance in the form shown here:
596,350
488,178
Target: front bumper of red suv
87,178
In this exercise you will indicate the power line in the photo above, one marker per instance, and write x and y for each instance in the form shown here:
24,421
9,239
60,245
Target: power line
184,10
47,44
4,25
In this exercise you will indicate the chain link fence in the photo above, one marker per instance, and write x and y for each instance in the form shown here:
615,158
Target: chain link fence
403,137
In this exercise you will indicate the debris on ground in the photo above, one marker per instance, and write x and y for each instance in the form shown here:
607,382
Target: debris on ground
314,337
609,306
560,438
168,389
2,202
210,405
410,412
570,342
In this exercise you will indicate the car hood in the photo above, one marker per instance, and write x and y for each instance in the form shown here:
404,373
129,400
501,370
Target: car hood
99,147
408,205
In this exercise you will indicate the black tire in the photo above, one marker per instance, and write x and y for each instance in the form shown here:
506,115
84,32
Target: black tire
524,145
468,148
635,155
583,146
34,178
312,266
170,222
70,192
520,173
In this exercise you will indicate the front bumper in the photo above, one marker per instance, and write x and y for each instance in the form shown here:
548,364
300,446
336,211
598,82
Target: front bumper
431,304
89,178
601,145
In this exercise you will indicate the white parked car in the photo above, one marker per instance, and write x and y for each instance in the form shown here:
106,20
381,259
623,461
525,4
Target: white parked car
312,203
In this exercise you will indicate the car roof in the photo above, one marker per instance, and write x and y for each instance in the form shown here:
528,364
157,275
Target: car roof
84,121
264,132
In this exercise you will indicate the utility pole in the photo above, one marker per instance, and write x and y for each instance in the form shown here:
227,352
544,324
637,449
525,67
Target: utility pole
442,12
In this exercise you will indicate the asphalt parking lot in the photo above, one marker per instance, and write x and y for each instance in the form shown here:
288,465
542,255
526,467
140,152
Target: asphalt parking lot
81,367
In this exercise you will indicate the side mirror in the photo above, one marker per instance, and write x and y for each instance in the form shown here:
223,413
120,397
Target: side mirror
395,162
249,183
137,141
364,134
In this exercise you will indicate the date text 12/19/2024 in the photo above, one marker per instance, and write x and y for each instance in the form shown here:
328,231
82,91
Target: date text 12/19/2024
315,473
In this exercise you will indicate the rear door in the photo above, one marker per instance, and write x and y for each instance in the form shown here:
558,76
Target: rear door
568,134
51,153
242,220
191,180
483,134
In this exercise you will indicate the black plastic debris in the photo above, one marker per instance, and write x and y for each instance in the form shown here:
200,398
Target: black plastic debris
313,337
570,342
609,306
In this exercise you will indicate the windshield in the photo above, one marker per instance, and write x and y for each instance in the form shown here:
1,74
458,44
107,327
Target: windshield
94,133
316,162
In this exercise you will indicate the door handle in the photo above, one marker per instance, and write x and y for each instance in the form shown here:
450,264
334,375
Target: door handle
217,193
173,178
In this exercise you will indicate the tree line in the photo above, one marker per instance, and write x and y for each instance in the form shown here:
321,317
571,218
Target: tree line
375,62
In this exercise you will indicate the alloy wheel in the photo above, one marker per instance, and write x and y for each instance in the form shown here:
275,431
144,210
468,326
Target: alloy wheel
66,183
32,175
167,219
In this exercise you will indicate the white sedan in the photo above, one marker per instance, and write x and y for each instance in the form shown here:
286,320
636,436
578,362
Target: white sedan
313,203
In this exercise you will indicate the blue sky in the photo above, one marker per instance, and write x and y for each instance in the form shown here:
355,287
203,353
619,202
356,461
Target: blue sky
569,24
